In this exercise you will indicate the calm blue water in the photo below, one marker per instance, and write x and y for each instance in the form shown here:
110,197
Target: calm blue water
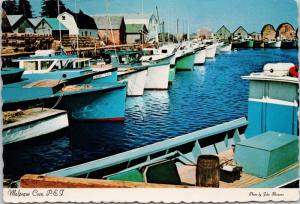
207,96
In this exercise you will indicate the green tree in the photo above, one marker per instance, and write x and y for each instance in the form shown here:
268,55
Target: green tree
10,7
50,8
24,8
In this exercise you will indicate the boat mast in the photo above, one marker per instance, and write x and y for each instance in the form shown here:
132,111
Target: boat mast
59,25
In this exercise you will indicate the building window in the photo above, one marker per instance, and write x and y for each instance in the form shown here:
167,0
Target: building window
90,33
63,18
86,33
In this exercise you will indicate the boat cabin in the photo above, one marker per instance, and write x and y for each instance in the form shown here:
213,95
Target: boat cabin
273,100
43,64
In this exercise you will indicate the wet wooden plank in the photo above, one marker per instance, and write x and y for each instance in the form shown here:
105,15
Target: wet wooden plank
38,181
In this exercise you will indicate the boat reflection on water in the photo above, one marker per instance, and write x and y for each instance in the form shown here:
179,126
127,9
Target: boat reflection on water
90,140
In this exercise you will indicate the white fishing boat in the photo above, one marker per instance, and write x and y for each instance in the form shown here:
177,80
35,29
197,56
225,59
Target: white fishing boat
153,55
273,44
23,125
211,51
158,76
135,78
225,48
200,53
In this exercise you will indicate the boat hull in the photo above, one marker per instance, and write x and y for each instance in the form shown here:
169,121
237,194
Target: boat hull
243,44
135,82
226,48
34,125
211,51
172,74
98,106
276,44
258,44
11,75
157,77
102,102
185,62
200,57
289,44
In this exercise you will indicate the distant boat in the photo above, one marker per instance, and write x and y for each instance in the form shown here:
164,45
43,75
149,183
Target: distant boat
200,53
258,44
211,51
11,75
243,43
157,72
185,58
273,44
225,48
289,44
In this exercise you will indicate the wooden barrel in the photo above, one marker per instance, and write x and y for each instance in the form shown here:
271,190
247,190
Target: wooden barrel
207,171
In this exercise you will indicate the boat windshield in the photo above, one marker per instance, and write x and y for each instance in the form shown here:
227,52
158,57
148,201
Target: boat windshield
68,65
46,64
148,52
31,65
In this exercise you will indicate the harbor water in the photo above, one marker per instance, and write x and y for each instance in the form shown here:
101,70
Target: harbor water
207,96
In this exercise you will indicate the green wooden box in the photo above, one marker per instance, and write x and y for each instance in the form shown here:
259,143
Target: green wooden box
267,154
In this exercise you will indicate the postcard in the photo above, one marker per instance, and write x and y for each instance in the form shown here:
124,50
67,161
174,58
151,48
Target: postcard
150,101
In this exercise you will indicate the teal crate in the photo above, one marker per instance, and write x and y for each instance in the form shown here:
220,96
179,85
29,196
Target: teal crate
267,154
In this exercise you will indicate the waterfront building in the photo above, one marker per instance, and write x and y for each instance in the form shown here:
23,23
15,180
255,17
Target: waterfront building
111,29
135,33
35,21
78,24
150,21
20,24
255,36
286,31
268,32
240,33
223,33
5,25
51,26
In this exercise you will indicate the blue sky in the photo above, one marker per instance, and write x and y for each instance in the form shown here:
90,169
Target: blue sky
252,14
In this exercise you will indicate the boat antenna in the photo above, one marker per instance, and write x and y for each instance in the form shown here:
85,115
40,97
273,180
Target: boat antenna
60,36
111,31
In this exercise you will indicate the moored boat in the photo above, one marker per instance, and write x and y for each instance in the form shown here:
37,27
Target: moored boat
225,48
273,44
289,44
258,44
135,78
31,123
82,101
243,43
185,60
51,66
200,53
211,51
158,76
